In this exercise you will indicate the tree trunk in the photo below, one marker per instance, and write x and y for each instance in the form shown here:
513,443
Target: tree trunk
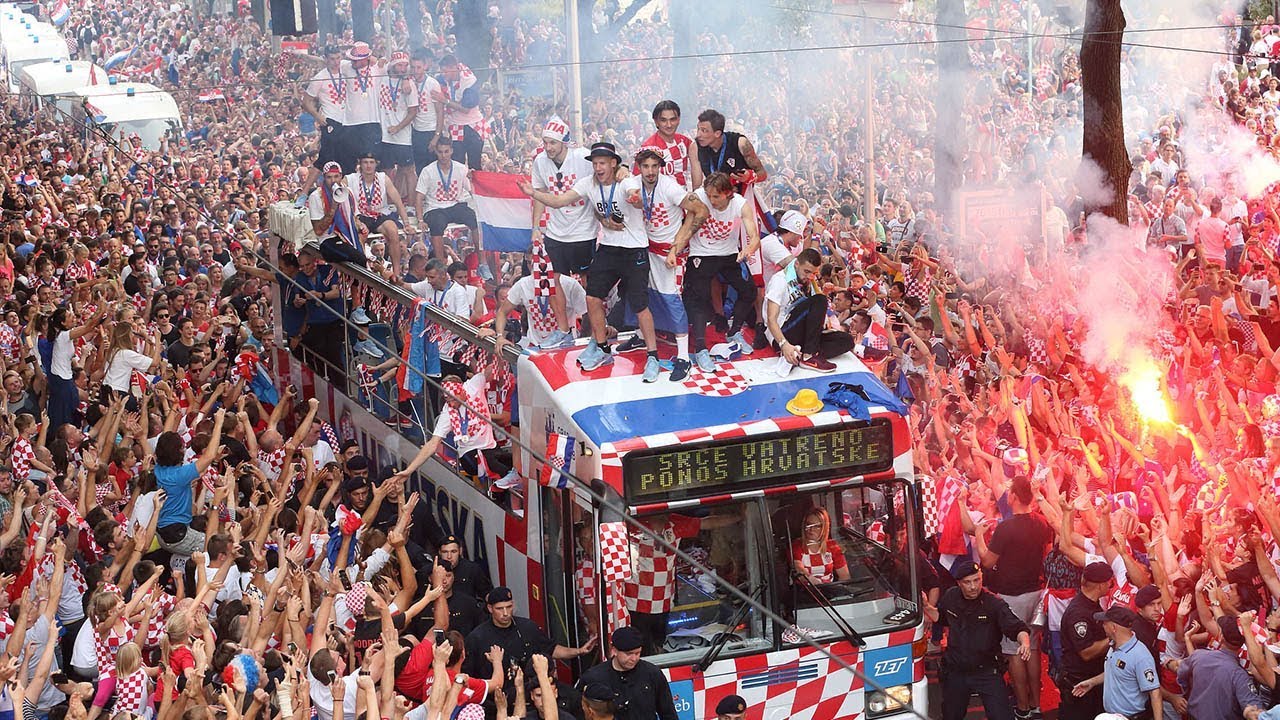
953,80
1103,110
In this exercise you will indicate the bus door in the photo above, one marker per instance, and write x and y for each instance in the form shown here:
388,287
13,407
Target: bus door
568,557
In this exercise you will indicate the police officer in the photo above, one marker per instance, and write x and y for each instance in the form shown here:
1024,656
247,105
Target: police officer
1084,644
469,578
972,662
731,707
642,690
519,637
598,702
1129,684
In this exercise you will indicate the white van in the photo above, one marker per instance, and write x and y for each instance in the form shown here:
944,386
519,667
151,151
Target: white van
128,108
17,52
55,80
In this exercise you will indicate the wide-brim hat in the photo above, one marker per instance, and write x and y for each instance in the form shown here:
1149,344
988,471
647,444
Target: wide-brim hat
806,402
604,149
359,51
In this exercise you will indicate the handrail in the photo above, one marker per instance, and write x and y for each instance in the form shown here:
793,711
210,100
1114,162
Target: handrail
458,326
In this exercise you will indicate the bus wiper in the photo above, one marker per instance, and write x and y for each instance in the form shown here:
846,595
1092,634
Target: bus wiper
821,600
723,638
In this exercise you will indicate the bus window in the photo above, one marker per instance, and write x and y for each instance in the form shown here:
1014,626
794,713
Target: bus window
680,611
849,552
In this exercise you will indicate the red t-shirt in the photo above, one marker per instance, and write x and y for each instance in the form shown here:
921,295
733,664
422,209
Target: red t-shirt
417,677
180,658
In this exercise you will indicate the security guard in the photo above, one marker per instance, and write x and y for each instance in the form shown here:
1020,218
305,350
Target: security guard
641,688
519,637
731,707
1084,644
1130,687
972,662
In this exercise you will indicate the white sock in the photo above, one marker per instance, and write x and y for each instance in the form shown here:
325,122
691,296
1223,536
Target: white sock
682,345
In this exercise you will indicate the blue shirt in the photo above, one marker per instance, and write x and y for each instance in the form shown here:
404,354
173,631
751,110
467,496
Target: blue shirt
176,481
1217,687
326,311
1129,678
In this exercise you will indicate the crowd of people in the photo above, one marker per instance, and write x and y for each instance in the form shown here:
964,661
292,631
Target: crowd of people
216,547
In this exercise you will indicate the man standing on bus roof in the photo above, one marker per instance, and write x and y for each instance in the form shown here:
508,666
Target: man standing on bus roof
567,233
621,260
731,707
976,620
720,231
676,149
641,688
726,152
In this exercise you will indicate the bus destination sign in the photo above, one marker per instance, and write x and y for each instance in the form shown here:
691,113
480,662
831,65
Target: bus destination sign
751,462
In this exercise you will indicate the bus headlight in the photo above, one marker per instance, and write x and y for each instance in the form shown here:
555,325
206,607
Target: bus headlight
892,700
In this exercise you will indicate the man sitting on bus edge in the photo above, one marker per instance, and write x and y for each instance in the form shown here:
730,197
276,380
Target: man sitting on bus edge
795,315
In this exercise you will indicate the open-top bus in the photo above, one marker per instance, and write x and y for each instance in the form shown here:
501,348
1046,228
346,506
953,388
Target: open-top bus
719,465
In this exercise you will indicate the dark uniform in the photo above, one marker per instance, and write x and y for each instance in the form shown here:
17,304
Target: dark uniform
643,693
520,640
471,579
972,661
1079,631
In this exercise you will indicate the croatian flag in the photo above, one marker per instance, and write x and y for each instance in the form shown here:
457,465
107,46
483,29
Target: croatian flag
560,459
118,59
504,213
61,13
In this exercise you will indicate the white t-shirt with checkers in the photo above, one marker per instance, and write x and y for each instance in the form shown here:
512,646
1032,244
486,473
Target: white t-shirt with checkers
575,302
425,120
329,91
605,201
478,430
662,213
573,223
721,234
444,187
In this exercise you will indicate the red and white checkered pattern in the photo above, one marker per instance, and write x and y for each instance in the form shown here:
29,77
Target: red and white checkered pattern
272,463
10,343
23,454
917,284
928,503
448,191
714,230
615,552
676,152
355,602
875,532
132,694
7,625
585,579
105,649
820,567
724,382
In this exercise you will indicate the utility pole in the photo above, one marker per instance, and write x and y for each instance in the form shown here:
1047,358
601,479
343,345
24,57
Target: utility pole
575,71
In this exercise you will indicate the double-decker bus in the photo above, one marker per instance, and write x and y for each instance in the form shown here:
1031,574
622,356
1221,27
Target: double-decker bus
719,466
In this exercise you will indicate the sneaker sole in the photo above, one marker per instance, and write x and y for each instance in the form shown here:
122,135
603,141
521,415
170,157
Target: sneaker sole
824,371
607,361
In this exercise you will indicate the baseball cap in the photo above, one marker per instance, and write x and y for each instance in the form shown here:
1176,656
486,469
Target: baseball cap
1146,596
1119,615
498,595
792,221
1098,572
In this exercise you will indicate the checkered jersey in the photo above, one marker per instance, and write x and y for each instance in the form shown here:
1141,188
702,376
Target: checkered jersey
106,648
272,463
918,284
652,586
677,153
821,566
23,454
584,577
10,344
132,692
165,605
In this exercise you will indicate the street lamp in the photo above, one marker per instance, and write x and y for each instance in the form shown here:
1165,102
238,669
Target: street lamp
878,10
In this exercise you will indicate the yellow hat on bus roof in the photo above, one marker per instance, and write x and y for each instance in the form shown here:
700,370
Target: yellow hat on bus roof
805,402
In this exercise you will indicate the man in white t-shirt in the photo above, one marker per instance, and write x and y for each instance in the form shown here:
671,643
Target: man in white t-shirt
332,207
621,260
795,315
379,207
659,198
721,233
779,249
444,195
398,106
361,118
325,98
430,115
567,233
523,294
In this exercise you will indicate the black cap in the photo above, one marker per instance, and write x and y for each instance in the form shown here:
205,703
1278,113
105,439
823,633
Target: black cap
731,705
450,540
626,639
358,462
367,154
1119,615
604,149
1230,628
1146,596
353,484
599,692
963,569
498,595
1098,572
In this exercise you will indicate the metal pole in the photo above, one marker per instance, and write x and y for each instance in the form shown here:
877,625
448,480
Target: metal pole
870,140
575,72
1031,55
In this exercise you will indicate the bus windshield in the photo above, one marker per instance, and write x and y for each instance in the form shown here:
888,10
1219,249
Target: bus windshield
681,612
846,558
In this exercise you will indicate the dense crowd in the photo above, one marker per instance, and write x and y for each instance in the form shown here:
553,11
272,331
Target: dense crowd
215,547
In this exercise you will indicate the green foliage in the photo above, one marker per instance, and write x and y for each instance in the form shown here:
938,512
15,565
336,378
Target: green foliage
1260,9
